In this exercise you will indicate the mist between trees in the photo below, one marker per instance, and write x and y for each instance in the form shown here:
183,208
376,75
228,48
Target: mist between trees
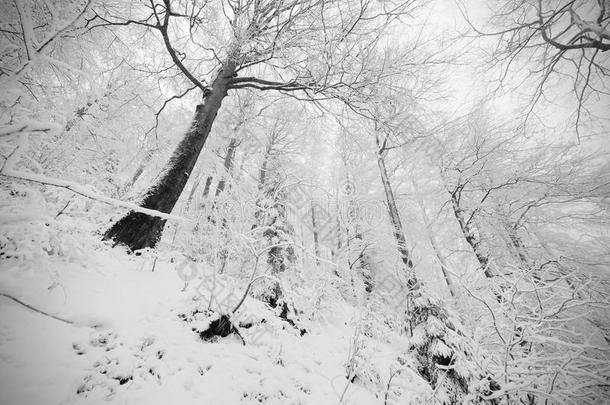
366,211
305,201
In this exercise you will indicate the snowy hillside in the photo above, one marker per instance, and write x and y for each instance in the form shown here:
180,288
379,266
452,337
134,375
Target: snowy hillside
123,338
372,202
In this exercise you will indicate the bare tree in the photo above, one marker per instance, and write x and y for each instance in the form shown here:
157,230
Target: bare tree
393,213
558,39
321,48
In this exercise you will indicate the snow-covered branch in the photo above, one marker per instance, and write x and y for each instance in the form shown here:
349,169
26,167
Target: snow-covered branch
87,192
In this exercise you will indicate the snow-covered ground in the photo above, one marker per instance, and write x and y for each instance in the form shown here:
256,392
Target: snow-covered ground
130,340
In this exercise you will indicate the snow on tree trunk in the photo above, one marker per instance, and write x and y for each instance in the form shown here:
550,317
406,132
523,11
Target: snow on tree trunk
439,345
470,236
444,357
442,263
272,219
437,251
314,227
137,230
399,234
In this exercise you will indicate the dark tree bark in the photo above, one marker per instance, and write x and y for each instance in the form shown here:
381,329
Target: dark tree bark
194,189
262,175
517,244
271,217
364,268
136,175
208,186
228,165
314,225
339,242
137,230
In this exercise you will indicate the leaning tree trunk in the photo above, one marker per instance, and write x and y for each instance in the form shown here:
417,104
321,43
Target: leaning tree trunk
474,241
399,233
470,236
423,316
436,248
517,244
137,230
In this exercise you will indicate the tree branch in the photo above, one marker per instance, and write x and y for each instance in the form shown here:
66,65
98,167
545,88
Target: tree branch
261,84
172,53
78,189
31,308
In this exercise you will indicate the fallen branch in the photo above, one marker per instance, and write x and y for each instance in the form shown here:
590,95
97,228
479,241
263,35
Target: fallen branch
79,189
36,309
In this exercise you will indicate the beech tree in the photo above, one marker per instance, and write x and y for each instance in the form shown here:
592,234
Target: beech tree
323,49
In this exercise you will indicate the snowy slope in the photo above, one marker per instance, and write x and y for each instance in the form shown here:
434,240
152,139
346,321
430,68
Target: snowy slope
129,343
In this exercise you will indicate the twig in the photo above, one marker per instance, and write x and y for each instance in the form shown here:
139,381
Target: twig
243,298
153,266
63,209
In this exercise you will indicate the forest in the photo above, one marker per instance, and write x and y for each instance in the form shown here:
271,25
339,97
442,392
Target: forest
305,202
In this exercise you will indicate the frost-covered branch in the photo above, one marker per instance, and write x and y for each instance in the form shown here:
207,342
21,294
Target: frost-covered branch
86,192
34,50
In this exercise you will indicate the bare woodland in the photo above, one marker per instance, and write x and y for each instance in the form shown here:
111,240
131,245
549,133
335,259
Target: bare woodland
441,168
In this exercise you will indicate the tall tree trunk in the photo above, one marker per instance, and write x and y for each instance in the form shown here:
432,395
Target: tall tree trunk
271,216
364,268
399,234
517,244
339,242
438,254
137,230
442,263
228,165
136,175
470,236
262,175
314,225
189,202
413,285
206,189
435,247
194,189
